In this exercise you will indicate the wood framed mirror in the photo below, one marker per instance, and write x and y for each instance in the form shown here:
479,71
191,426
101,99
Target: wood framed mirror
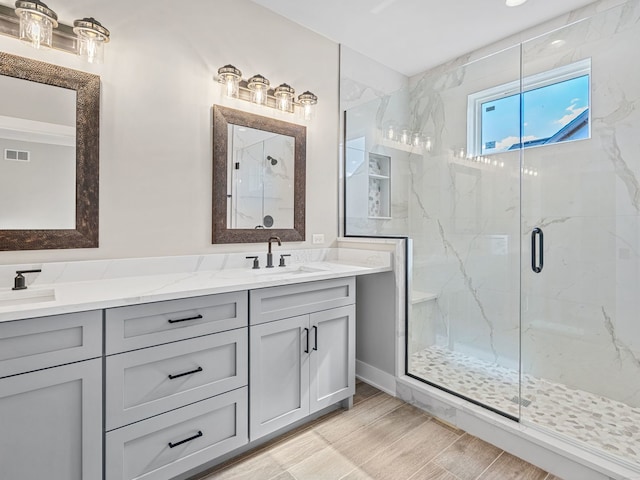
259,178
49,143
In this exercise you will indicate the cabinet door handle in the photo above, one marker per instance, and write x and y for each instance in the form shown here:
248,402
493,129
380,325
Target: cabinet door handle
315,343
197,317
172,377
306,350
197,435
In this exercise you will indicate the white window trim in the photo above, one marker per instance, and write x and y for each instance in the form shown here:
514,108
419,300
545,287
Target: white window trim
532,82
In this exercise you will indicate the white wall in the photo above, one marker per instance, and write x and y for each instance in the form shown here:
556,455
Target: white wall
156,123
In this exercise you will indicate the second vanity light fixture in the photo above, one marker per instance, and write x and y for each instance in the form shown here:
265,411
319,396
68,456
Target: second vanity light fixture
257,90
37,22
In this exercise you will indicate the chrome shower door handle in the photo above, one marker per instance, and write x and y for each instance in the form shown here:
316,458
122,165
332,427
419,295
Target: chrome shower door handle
537,250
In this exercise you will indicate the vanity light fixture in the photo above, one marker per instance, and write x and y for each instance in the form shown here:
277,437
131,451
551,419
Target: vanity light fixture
91,39
37,22
229,76
38,25
284,97
406,137
308,100
259,87
257,90
514,3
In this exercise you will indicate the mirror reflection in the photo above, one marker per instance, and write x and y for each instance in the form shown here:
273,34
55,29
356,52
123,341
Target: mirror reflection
258,178
261,167
49,155
37,155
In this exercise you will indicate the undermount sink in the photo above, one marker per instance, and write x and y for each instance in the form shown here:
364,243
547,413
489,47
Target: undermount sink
25,297
296,270
270,272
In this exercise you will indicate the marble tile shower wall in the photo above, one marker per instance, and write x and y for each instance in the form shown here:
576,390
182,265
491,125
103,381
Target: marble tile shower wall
579,317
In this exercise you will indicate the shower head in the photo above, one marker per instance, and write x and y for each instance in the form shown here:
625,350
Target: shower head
273,161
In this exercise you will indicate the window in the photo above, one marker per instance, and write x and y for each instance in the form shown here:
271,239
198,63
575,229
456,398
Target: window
552,108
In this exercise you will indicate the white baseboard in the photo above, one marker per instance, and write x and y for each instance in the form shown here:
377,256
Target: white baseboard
375,377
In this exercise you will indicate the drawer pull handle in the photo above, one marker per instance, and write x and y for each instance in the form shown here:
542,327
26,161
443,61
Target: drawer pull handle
306,350
197,435
172,377
197,317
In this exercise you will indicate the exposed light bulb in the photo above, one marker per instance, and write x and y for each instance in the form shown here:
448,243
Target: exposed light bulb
230,87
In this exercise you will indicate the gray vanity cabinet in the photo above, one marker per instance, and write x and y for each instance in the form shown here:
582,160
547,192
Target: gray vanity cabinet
51,404
176,385
300,364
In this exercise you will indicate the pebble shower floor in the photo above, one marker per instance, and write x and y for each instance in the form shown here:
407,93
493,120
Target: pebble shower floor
597,421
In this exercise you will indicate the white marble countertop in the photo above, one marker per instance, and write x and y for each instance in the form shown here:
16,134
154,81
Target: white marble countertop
139,283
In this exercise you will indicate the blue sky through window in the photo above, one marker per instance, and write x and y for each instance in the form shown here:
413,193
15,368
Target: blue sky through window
546,111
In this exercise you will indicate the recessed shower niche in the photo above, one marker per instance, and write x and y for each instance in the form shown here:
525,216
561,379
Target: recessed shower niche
379,198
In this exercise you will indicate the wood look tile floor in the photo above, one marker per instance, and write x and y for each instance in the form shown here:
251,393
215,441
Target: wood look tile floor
380,438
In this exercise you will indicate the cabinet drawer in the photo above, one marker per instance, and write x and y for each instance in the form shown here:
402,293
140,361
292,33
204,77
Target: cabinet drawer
165,446
274,303
139,326
36,343
151,381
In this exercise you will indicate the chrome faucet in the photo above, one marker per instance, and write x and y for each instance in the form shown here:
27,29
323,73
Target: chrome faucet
269,254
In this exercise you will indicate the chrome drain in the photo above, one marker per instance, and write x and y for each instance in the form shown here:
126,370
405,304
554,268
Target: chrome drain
521,401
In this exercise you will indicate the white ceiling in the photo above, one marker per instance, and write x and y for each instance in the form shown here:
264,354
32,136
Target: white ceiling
411,36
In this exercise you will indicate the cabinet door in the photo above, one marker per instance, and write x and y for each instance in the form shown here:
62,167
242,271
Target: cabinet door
278,374
332,360
52,423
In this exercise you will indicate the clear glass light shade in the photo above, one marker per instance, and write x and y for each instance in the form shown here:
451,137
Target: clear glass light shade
307,100
36,29
404,137
284,97
91,39
259,95
231,86
229,78
259,87
428,144
92,49
390,133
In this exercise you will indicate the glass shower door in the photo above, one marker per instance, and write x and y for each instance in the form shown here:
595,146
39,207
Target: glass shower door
464,327
581,232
